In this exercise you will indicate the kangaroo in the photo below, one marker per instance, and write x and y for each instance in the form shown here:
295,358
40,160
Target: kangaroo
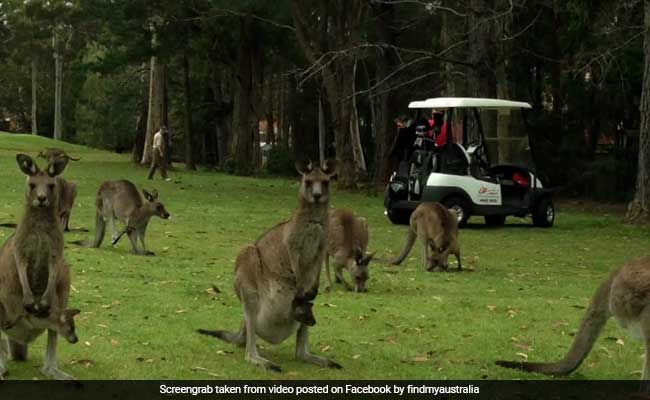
625,295
67,196
437,228
51,154
347,244
22,328
34,277
64,325
277,278
121,200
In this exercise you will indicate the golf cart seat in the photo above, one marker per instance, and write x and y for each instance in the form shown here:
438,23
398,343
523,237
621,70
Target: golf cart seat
452,160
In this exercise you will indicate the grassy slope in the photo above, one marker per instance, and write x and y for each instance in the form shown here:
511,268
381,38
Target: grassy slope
139,313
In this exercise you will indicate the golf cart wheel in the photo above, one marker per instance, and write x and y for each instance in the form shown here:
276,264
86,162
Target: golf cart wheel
460,207
544,213
398,217
495,220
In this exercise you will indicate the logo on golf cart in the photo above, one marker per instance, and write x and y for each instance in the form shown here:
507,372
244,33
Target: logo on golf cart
487,195
484,191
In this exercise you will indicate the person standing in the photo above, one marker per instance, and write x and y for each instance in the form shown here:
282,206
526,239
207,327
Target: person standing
158,153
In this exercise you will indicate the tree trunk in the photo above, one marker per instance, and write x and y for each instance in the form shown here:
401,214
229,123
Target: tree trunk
339,100
321,131
244,116
639,208
155,109
481,80
357,149
58,84
383,102
189,134
505,143
34,94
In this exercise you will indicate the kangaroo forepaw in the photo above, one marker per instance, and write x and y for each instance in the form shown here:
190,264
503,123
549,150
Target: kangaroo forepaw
29,306
41,309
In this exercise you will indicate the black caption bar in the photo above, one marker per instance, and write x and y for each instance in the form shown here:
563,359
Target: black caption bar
253,390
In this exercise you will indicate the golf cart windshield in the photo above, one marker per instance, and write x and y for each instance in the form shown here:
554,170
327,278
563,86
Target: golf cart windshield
491,129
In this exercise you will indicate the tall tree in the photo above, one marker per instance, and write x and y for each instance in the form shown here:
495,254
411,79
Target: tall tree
189,129
329,38
155,113
245,118
639,208
57,45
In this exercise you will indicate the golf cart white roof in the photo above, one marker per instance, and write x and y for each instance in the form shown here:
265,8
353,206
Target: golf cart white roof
458,102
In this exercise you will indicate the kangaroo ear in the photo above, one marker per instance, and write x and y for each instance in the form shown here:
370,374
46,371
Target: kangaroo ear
358,255
304,166
27,165
329,167
57,167
154,194
368,258
147,195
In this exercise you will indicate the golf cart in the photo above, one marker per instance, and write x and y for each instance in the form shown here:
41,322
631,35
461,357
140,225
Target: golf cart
448,162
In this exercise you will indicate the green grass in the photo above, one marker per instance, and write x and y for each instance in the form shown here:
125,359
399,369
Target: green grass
140,314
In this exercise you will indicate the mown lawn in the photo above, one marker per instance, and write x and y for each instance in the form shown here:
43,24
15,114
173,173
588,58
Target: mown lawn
525,297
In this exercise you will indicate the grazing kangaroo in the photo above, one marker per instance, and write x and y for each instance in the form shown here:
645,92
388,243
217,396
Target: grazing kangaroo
121,200
625,295
347,244
67,196
277,278
34,277
52,154
437,229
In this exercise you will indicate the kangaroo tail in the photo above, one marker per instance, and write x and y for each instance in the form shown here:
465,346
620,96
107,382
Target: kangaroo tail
410,239
237,338
593,322
100,229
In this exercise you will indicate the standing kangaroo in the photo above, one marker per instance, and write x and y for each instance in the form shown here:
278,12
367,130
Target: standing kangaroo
67,196
34,277
347,244
121,200
625,295
277,278
437,229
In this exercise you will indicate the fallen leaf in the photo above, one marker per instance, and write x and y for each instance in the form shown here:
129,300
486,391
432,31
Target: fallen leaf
324,349
524,355
356,356
85,362
420,359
